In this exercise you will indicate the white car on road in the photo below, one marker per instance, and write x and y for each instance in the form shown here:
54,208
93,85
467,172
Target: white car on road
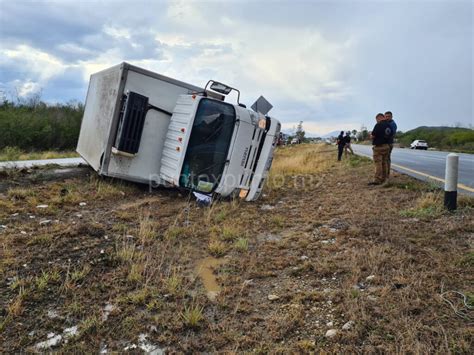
419,144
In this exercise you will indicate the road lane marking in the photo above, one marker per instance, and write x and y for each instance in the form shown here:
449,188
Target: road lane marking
461,186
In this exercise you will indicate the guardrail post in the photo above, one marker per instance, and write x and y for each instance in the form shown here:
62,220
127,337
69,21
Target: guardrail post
451,182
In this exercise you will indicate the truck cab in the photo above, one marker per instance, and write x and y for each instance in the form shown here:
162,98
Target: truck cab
152,129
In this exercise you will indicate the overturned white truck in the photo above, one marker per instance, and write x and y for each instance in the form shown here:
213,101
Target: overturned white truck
145,127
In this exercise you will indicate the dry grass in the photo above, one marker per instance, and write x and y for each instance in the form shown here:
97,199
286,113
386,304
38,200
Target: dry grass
323,248
297,160
216,247
20,155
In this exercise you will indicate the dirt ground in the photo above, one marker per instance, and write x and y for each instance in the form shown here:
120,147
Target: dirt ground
322,262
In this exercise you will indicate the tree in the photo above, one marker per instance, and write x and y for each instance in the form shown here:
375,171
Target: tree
363,135
300,132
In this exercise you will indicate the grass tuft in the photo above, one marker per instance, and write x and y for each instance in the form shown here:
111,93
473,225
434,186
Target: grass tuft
193,315
242,244
216,247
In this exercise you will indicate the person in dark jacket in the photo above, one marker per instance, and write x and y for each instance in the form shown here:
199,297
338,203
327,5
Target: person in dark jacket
393,126
340,145
381,138
347,146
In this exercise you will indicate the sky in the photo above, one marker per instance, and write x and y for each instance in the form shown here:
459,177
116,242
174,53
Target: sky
331,64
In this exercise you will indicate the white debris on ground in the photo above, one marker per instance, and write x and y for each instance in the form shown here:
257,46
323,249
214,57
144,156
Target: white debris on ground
329,241
45,222
145,345
42,206
53,340
348,325
267,207
52,314
70,332
331,333
103,349
371,277
107,310
148,347
82,204
248,282
273,297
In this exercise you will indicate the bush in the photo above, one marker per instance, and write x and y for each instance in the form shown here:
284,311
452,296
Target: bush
452,138
35,125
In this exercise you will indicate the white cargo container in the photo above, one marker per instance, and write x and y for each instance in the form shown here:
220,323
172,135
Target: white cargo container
145,127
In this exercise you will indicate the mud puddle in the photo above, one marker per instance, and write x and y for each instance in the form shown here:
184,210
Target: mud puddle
205,270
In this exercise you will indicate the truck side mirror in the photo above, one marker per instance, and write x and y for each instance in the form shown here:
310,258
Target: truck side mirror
220,88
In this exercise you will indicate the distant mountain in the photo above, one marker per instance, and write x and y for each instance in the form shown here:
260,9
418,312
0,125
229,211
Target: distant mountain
331,134
452,138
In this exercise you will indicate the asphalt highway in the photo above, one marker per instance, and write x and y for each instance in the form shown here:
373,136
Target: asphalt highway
427,165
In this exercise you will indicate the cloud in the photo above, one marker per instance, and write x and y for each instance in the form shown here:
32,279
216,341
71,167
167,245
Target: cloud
329,64
35,63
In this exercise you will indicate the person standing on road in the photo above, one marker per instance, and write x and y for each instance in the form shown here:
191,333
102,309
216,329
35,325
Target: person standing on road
381,135
340,145
347,145
393,127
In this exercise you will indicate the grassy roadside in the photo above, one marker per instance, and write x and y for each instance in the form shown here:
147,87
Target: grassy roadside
319,251
13,154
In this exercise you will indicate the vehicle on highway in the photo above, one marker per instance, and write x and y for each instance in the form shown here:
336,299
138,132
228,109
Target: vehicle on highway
419,144
295,141
145,127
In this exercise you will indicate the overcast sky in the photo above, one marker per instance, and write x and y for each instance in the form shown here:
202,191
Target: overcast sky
332,64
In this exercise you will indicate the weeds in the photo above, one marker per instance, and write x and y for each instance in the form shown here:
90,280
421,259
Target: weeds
230,233
41,239
19,193
138,297
136,273
277,221
147,229
192,315
151,278
127,252
89,325
429,205
216,247
14,153
174,232
16,283
75,277
79,275
43,280
173,283
242,244
357,160
15,308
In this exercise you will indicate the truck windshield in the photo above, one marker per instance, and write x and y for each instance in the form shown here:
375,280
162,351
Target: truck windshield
208,146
